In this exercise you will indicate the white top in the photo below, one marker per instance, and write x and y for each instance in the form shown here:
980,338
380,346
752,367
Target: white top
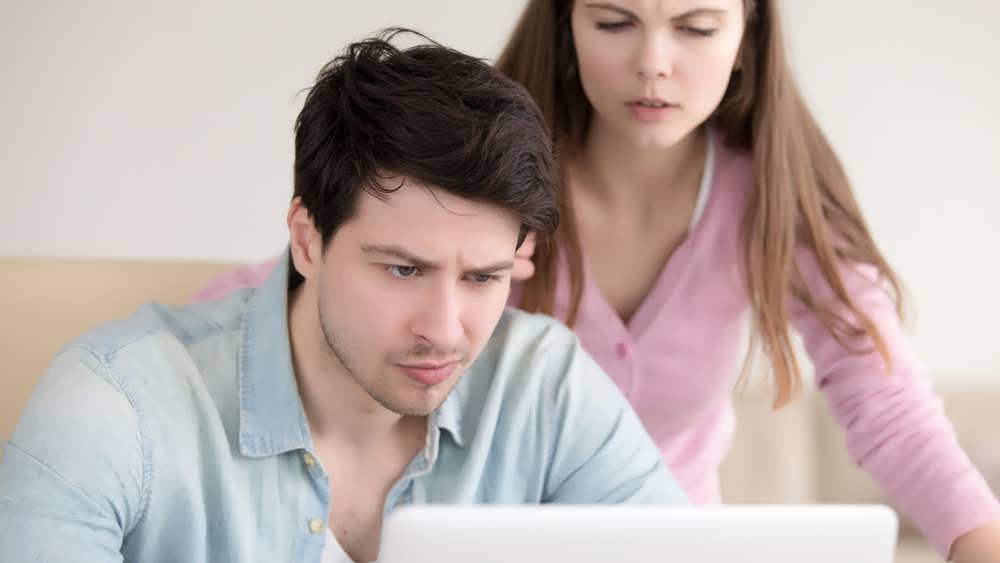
707,176
332,550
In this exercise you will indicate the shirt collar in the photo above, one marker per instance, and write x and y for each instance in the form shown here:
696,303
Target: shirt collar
449,415
272,420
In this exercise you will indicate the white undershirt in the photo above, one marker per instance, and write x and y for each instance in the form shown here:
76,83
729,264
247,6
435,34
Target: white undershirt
707,175
332,550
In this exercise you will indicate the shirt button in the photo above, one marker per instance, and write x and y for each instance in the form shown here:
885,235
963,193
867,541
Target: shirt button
621,349
309,459
316,525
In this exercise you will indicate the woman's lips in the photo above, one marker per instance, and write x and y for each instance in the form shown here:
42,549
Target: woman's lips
648,111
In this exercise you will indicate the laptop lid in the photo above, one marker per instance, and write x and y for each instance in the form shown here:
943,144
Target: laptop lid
591,534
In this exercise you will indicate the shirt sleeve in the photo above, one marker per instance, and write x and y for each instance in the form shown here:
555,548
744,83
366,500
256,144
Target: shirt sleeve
71,476
895,425
600,452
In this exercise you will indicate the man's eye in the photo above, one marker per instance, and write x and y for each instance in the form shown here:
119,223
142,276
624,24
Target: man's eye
482,278
401,271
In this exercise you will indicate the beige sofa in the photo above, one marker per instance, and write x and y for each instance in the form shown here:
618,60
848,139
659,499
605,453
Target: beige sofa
794,455
47,303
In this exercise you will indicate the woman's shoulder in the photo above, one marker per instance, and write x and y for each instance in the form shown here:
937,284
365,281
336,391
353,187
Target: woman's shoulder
729,184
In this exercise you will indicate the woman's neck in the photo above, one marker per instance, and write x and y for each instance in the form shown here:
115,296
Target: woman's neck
615,171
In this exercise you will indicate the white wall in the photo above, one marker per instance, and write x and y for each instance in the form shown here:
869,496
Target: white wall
165,130
907,91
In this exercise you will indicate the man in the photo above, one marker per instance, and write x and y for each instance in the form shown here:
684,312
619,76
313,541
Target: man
377,366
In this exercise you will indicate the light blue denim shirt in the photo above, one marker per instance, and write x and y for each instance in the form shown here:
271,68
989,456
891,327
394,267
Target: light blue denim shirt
178,435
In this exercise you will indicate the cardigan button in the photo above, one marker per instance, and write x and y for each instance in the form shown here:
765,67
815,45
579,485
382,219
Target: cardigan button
621,349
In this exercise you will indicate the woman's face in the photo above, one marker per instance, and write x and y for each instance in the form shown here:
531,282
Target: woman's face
654,70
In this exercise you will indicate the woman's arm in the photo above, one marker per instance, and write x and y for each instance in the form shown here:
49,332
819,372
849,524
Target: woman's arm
896,427
228,282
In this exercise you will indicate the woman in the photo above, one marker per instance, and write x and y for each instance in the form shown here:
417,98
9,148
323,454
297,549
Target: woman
698,188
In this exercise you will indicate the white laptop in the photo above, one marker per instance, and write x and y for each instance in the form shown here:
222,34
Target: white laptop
640,534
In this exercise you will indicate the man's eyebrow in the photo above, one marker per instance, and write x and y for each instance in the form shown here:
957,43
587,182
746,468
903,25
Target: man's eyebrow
494,268
399,253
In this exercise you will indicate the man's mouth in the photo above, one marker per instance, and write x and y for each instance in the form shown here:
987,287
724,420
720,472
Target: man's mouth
429,373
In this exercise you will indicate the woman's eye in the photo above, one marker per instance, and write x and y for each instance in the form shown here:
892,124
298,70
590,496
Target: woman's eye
698,31
402,271
613,26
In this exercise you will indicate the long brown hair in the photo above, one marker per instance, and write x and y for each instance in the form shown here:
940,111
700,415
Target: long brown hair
801,197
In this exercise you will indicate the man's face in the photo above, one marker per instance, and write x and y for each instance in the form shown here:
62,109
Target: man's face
410,289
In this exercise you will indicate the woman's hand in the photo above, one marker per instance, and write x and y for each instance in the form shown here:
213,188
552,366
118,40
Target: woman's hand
981,545
523,267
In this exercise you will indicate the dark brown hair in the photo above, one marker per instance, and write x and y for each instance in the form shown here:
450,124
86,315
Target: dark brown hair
442,118
801,197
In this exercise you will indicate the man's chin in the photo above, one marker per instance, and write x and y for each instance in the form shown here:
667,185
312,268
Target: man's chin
414,410
427,401
408,397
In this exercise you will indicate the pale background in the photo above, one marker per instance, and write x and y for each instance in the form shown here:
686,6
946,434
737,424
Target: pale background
164,130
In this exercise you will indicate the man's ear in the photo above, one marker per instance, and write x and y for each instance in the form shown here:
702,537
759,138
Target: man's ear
306,240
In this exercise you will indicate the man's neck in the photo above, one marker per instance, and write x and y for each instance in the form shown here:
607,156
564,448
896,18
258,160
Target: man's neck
337,408
364,447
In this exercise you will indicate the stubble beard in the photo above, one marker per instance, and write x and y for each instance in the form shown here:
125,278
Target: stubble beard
370,385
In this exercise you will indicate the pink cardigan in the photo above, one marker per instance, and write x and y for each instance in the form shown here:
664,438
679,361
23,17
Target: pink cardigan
678,357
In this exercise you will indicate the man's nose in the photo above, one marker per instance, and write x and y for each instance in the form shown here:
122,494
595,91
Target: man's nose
439,318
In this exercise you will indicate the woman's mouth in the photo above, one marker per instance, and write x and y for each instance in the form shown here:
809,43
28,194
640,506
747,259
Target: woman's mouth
651,110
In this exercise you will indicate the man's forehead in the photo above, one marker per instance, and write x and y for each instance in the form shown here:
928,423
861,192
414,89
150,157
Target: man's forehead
402,196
